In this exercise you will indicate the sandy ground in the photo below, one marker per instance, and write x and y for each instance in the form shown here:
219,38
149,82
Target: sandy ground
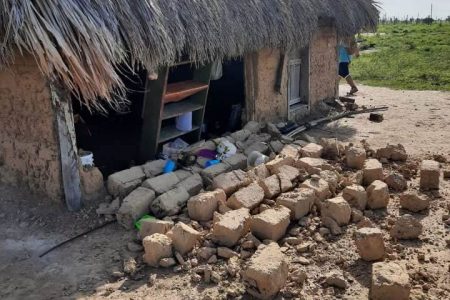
83,269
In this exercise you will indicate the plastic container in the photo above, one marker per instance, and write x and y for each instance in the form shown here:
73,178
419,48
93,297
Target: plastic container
211,163
256,158
169,167
87,159
184,122
171,150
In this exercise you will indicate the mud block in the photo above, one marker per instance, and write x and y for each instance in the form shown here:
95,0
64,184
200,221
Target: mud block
170,203
300,202
271,224
203,206
274,165
373,170
377,195
122,183
157,246
271,186
248,197
267,272
193,184
429,175
134,206
230,227
162,183
355,157
312,150
183,237
390,281
370,244
313,165
152,226
231,182
337,209
356,196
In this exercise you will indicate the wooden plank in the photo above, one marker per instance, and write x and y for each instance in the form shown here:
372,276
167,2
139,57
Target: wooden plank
67,146
171,132
201,74
152,114
181,90
177,109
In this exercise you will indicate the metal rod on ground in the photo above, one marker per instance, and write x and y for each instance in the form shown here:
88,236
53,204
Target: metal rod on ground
320,121
76,237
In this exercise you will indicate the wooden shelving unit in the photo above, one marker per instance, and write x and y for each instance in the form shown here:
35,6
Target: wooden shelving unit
163,102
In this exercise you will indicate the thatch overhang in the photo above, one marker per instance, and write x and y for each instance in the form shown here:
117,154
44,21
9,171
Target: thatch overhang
81,42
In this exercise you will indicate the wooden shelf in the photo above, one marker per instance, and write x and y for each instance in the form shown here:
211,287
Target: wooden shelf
172,110
171,132
180,90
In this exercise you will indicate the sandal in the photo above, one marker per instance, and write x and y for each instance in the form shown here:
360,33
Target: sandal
353,91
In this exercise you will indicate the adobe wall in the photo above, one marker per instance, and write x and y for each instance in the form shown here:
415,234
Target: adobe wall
29,152
263,103
323,65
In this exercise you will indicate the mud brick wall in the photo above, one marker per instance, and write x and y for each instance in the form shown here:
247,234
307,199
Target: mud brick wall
263,103
323,65
28,139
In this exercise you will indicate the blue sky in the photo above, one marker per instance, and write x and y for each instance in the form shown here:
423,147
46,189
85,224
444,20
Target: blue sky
403,8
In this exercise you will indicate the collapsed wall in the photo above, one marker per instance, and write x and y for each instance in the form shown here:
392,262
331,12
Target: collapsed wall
29,152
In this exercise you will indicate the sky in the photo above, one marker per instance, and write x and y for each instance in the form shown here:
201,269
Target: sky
411,8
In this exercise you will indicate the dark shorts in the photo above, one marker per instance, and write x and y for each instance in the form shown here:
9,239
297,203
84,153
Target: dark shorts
343,69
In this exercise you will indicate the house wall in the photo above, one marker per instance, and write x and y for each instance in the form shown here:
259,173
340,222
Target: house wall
264,103
29,152
323,65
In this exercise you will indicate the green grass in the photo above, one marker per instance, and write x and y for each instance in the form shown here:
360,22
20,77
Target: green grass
408,56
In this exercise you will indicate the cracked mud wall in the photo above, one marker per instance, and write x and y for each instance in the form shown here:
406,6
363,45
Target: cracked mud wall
29,148
323,65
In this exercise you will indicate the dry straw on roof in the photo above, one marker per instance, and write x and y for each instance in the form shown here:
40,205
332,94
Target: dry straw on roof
81,41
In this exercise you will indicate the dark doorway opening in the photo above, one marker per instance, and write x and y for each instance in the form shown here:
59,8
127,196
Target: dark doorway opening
113,136
226,99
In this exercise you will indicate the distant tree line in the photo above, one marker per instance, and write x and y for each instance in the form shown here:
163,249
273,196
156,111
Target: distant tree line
408,20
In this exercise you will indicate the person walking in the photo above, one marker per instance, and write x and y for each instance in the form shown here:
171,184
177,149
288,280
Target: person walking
347,48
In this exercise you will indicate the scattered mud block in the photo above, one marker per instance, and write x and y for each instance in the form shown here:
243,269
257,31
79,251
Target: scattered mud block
429,175
414,202
271,224
377,195
267,272
390,281
356,196
203,206
230,227
373,170
249,197
157,247
184,238
370,244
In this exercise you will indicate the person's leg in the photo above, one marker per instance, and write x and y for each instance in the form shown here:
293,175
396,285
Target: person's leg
352,84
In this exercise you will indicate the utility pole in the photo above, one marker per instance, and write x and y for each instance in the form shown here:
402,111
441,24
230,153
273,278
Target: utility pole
431,10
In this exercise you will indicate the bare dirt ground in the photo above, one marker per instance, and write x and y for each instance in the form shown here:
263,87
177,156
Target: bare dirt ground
84,268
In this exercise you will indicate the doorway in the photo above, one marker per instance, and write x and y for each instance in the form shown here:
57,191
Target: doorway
226,99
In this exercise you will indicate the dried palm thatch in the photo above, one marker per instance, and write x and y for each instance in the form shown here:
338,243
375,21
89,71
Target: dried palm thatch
81,42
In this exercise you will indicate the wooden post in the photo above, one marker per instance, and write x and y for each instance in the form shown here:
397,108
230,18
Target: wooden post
67,146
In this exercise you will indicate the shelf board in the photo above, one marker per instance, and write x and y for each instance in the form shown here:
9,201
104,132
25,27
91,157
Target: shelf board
171,132
172,110
180,90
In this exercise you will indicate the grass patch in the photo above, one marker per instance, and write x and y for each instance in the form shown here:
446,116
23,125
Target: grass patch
407,56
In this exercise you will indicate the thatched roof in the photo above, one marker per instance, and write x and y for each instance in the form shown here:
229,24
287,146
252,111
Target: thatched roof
82,41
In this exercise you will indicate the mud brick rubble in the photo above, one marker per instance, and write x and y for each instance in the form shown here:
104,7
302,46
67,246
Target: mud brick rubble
255,230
